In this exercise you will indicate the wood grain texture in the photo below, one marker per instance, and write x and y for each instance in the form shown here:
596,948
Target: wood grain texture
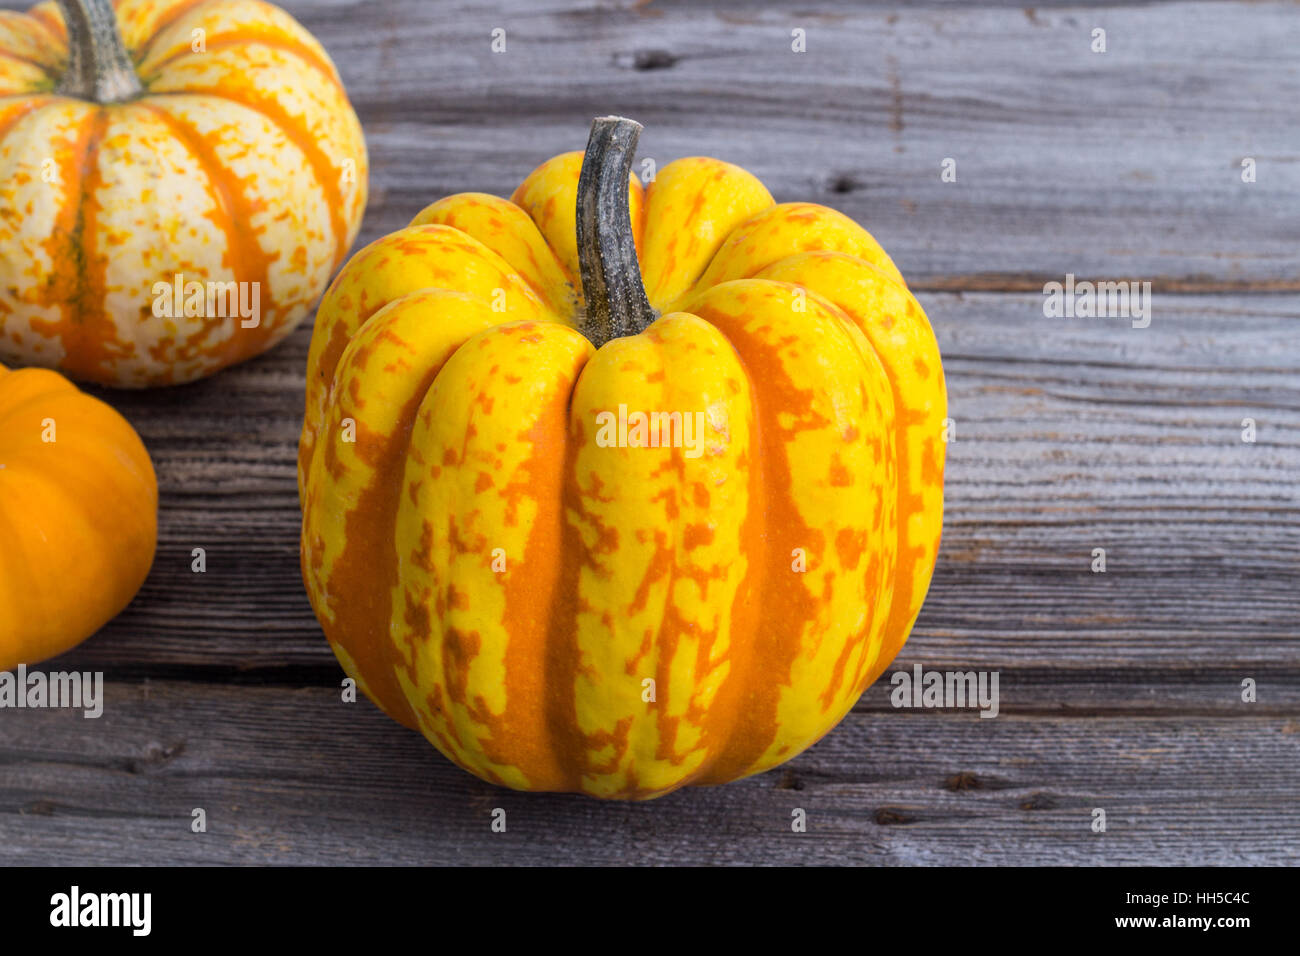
1119,690
1124,164
286,776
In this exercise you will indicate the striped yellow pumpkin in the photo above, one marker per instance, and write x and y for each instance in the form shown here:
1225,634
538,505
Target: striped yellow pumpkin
558,600
178,180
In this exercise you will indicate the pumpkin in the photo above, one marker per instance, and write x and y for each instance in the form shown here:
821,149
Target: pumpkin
178,181
557,598
78,515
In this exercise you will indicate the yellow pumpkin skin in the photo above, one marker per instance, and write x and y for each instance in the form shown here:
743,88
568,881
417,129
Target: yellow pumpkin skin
243,162
78,515
451,425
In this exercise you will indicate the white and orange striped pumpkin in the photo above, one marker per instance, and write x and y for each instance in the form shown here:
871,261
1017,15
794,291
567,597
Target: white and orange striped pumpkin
156,147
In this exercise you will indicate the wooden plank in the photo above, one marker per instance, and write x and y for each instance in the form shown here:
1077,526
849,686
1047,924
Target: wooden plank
1126,163
1072,434
299,777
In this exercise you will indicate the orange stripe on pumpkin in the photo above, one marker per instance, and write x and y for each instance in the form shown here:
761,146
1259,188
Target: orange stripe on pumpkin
261,36
245,257
327,175
361,582
492,456
18,110
782,604
85,331
165,23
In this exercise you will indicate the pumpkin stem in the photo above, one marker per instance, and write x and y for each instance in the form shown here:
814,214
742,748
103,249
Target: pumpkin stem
99,68
616,303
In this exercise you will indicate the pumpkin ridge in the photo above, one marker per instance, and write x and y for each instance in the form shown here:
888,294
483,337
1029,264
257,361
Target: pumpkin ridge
703,178
756,721
718,717
655,586
333,322
356,605
51,21
877,626
45,68
85,331
90,290
245,256
749,248
490,438
788,607
327,177
10,122
516,197
915,563
253,34
601,734
455,211
563,664
667,561
372,505
528,718
27,44
900,592
72,301
725,720
543,477
50,46
168,20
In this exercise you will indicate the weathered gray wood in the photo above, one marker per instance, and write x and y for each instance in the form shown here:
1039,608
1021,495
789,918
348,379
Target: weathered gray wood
1119,691
294,776
1124,164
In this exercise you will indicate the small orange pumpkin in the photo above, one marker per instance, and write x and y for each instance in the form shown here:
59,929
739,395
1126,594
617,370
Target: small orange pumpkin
178,181
562,596
78,515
